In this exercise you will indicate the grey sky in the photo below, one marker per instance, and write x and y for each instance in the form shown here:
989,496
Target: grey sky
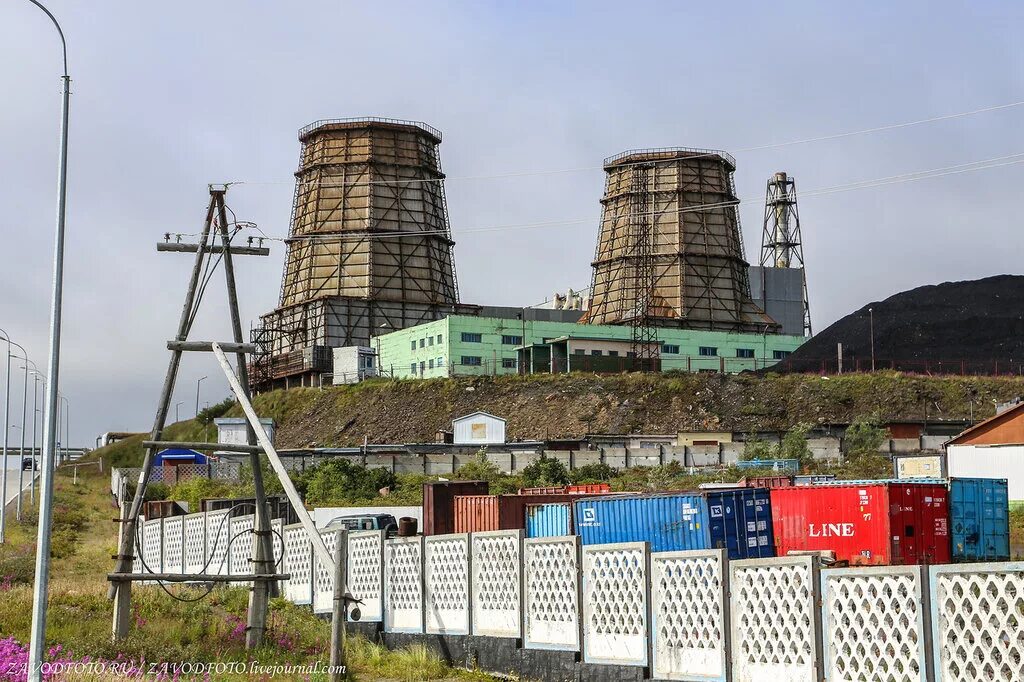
170,97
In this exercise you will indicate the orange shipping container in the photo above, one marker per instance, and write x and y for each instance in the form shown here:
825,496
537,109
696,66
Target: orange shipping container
477,513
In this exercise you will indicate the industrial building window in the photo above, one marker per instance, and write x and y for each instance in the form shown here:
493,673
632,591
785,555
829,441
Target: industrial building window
578,351
613,353
708,351
781,354
439,339
412,368
440,362
744,352
595,352
469,337
471,359
423,367
430,363
508,340
508,363
422,343
430,340
670,349
414,344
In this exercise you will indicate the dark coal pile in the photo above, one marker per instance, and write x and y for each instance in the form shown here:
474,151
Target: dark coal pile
974,327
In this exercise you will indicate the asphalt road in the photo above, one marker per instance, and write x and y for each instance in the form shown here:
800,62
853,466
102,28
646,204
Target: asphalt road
12,482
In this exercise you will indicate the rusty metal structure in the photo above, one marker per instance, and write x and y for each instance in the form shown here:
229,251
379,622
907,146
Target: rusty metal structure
781,242
670,251
369,247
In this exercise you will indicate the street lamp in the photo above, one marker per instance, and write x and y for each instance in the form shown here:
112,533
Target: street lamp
36,374
7,432
42,577
198,383
176,405
871,323
67,427
24,416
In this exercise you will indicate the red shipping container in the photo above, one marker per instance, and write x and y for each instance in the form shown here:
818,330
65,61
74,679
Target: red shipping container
766,482
439,503
877,524
589,489
477,513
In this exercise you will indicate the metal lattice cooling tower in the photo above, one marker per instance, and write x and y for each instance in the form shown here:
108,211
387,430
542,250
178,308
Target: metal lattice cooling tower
369,248
670,253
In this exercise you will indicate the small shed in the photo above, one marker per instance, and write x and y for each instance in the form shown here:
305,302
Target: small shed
478,428
233,431
176,456
993,448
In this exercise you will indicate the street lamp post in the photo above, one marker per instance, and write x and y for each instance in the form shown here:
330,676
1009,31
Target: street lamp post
42,577
7,433
198,384
35,411
176,406
66,412
21,462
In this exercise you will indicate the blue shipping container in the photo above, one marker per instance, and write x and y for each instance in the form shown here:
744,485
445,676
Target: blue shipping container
737,520
548,520
979,511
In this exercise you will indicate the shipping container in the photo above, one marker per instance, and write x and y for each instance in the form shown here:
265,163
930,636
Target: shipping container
549,520
738,520
979,514
477,513
813,479
439,503
866,523
580,489
545,490
765,481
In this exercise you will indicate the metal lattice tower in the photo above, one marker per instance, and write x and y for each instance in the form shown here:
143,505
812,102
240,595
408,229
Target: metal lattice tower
781,241
645,348
678,261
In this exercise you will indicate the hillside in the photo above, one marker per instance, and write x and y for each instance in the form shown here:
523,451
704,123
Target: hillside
561,406
976,322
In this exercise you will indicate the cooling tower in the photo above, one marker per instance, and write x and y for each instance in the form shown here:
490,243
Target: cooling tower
670,251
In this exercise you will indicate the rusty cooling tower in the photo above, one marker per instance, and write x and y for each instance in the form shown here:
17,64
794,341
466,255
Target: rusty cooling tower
670,250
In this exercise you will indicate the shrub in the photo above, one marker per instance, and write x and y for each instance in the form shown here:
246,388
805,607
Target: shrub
545,472
758,448
864,436
338,481
156,491
206,416
592,473
794,444
479,469
193,490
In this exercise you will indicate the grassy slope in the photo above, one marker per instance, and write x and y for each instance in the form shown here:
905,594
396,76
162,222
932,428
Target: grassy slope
84,539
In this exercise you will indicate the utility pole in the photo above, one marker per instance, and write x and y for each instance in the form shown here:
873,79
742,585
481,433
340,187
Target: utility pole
35,451
7,433
871,323
21,463
198,383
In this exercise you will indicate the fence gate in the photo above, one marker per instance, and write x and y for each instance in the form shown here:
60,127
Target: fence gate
978,620
690,616
875,624
776,628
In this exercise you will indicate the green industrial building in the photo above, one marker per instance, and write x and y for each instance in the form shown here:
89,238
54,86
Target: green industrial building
500,340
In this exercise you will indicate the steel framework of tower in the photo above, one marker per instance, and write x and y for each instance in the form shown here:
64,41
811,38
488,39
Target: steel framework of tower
369,248
670,251
781,241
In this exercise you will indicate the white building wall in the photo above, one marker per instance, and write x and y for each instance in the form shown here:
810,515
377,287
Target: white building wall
989,461
352,364
231,430
478,429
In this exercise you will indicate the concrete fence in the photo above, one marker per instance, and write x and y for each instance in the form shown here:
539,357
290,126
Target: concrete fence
621,612
171,475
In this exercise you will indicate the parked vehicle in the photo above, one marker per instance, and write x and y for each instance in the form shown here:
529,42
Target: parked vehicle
385,522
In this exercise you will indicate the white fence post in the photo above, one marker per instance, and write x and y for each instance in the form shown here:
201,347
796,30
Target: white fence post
775,620
615,603
978,618
446,595
690,616
497,582
366,572
403,585
551,593
874,624
298,563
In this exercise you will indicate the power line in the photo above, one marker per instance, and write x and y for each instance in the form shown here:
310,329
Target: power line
774,145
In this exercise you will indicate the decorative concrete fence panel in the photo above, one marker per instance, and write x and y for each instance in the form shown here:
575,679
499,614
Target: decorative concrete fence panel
174,540
277,544
497,583
403,585
978,621
366,572
152,546
551,593
242,539
323,575
690,615
615,603
194,552
298,562
446,595
775,620
140,544
218,536
874,624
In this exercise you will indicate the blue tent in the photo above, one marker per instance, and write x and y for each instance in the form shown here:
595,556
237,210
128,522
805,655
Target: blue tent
179,456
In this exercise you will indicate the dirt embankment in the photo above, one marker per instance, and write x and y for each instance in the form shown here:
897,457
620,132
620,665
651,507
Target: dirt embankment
564,406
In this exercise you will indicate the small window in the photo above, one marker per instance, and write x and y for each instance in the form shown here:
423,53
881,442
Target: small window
430,363
781,354
579,351
510,340
412,368
430,340
708,351
670,349
508,363
596,352
423,367
468,337
472,360
744,352
414,344
440,337
630,354
440,362
613,353
422,342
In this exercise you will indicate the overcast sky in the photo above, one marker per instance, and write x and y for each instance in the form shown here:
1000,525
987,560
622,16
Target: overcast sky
169,97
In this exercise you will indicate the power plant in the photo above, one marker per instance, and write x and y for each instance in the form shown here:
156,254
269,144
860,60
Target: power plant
370,255
369,247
